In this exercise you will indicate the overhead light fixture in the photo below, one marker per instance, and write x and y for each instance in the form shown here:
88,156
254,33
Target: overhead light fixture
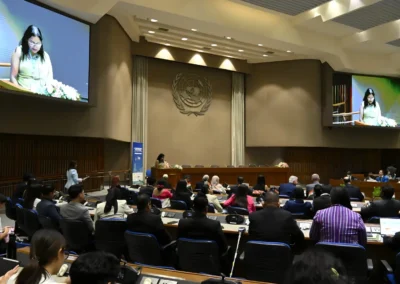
230,56
167,44
260,44
194,30
240,50
152,32
214,44
265,55
154,20
184,38
228,37
288,51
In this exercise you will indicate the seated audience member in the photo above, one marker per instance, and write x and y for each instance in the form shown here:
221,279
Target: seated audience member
273,224
32,196
370,177
288,188
6,229
234,188
4,279
260,185
167,184
241,199
188,184
46,255
387,207
298,205
149,188
322,198
316,266
75,210
20,189
202,228
199,185
391,172
314,182
354,191
207,191
216,186
96,267
382,177
338,223
146,222
349,175
183,193
113,207
47,207
163,193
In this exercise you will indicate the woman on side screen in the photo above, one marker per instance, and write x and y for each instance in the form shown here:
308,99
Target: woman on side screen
370,112
241,199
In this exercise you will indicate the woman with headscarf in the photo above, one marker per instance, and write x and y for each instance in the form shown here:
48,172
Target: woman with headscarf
113,207
163,193
216,186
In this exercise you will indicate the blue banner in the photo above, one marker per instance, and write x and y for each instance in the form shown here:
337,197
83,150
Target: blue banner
137,161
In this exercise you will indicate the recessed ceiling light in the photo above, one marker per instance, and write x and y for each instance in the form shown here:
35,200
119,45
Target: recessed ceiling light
240,50
265,55
167,44
288,51
184,38
260,44
153,20
228,37
214,44
152,32
229,56
194,30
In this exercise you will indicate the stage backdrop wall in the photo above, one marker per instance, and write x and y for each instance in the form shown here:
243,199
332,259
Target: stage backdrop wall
110,91
188,139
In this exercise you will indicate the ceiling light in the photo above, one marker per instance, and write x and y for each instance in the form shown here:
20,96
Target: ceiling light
288,51
214,44
230,56
153,20
152,32
240,50
260,44
184,38
228,37
194,30
167,44
265,55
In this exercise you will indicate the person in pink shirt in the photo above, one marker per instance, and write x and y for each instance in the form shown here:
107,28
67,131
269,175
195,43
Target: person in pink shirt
241,199
163,193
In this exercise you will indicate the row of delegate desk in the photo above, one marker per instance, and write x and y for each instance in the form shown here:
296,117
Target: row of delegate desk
368,187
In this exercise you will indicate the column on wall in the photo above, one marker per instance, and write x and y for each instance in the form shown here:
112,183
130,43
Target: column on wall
237,117
139,104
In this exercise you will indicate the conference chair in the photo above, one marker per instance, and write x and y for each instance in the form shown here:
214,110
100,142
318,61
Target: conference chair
391,276
266,261
156,202
252,165
31,221
178,204
47,223
355,199
237,210
354,258
186,166
199,166
201,256
211,208
20,217
11,211
284,196
242,166
214,166
109,235
77,235
374,220
230,166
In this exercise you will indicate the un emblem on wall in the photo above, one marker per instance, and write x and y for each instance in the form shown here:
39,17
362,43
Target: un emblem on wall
192,94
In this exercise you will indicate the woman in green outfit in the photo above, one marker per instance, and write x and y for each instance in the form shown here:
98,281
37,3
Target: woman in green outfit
30,64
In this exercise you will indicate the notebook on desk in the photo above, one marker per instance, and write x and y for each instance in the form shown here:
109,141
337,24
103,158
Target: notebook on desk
389,226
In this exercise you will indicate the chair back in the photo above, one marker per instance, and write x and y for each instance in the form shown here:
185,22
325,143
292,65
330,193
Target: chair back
20,217
267,261
76,234
178,204
201,256
47,223
237,210
11,211
284,196
156,202
355,199
230,166
353,256
199,166
214,166
31,221
186,166
374,220
211,208
109,235
143,248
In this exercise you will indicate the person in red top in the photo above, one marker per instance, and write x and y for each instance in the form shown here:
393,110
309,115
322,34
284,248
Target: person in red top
163,193
241,199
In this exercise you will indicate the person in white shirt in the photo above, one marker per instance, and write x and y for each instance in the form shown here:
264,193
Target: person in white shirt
72,176
113,207
212,199
47,255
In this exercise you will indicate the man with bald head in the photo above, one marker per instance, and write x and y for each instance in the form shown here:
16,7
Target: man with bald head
273,224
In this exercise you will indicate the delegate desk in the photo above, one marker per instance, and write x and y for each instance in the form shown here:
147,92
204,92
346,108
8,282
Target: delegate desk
226,175
368,187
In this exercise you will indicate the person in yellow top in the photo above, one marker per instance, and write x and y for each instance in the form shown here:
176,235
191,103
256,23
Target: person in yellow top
161,163
30,65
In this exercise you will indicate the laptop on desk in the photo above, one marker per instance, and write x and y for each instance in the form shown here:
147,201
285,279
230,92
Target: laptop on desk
389,226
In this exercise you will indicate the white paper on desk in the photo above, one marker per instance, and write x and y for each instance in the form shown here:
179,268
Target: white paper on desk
368,229
353,204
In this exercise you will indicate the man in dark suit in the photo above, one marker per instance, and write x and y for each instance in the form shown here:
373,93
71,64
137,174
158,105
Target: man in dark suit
149,188
354,191
273,224
288,188
202,228
146,222
200,184
234,189
387,207
322,198
47,207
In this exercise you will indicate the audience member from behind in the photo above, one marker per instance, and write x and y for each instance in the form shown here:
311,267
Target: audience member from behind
75,210
113,207
288,188
199,185
314,182
47,256
322,198
212,199
182,193
163,193
6,229
22,187
260,185
146,222
149,188
234,188
391,172
273,224
96,267
354,191
298,205
32,196
382,177
387,207
216,186
338,224
350,176
316,266
202,228
241,199
47,207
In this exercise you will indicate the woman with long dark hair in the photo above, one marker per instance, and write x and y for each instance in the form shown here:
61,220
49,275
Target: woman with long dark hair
32,195
241,199
161,163
183,193
370,111
47,255
30,64
113,207
260,185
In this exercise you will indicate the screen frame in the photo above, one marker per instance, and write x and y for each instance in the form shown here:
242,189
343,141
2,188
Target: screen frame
64,101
